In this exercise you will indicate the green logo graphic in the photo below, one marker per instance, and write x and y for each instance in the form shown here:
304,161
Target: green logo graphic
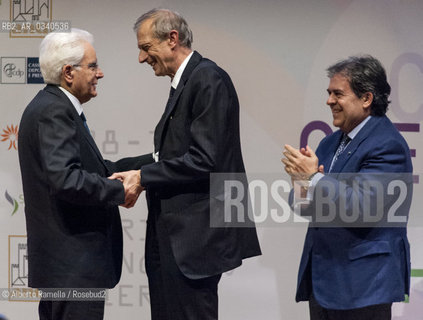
12,201
415,273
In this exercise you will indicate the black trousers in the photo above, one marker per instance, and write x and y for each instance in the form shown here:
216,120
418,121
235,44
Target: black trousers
374,312
173,296
71,310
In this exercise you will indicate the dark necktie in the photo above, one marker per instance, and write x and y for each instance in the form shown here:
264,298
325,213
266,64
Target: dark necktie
84,120
343,144
169,100
159,127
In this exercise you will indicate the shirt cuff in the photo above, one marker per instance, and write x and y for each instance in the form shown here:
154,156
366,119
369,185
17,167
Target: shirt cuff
312,185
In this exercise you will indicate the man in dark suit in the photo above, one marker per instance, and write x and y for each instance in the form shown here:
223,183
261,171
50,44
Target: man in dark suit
71,207
353,269
197,135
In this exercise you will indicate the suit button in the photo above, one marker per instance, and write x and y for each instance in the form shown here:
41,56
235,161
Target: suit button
171,117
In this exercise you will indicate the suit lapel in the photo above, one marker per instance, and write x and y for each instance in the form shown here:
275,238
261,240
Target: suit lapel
80,124
161,126
89,139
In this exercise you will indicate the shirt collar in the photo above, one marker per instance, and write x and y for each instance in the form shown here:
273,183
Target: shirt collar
357,129
180,71
73,99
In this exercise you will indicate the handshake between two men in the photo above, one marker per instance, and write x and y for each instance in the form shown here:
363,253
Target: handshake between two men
300,164
131,181
77,207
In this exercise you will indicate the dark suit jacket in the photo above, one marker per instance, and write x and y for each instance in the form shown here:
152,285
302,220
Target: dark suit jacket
356,267
72,219
196,136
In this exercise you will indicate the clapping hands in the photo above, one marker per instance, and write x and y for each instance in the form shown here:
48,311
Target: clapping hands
300,163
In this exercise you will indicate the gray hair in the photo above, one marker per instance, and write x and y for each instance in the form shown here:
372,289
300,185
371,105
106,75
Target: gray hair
164,21
60,48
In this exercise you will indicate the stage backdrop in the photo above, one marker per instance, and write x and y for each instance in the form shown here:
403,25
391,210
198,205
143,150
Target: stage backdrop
276,52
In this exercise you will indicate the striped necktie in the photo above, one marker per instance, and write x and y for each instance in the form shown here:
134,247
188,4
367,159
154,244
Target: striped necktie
344,143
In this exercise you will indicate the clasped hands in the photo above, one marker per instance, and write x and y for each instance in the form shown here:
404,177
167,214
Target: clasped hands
300,164
131,181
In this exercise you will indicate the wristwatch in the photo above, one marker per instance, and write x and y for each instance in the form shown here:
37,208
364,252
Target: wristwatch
310,177
306,186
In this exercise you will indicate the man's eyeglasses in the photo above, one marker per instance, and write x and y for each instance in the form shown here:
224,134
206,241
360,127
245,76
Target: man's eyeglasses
92,66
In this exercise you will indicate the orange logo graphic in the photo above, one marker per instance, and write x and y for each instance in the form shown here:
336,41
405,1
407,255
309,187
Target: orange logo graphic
11,134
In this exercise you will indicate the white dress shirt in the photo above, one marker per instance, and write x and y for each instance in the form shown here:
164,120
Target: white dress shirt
74,100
